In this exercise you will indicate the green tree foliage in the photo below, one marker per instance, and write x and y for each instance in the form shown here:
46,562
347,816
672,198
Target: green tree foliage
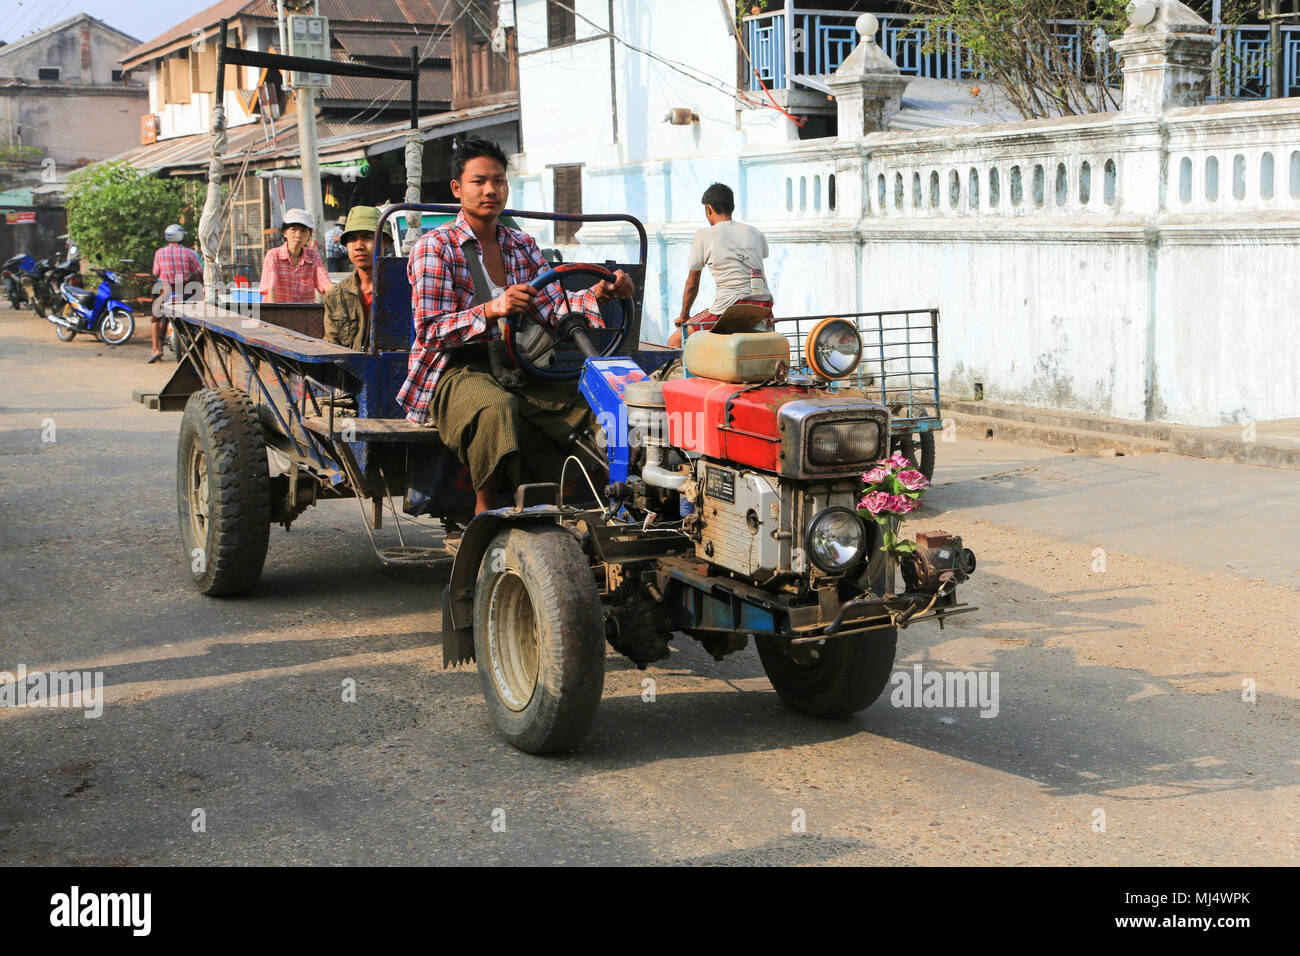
1021,46
115,212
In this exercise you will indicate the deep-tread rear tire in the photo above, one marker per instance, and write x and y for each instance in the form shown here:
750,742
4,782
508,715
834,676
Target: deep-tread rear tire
539,638
223,491
847,675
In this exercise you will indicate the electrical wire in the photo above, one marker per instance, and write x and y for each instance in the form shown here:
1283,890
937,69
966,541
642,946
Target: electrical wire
581,467
434,34
691,73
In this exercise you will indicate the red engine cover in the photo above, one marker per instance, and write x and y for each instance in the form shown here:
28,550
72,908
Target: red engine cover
697,419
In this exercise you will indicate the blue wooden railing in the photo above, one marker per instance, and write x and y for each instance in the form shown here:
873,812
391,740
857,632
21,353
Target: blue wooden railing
823,38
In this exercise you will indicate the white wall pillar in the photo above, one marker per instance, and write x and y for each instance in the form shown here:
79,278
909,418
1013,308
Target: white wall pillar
868,87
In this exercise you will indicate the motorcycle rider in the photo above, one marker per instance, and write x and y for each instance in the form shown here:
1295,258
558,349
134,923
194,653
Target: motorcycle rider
173,265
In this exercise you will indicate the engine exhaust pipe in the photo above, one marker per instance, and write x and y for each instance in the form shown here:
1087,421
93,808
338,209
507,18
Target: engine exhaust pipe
654,473
60,320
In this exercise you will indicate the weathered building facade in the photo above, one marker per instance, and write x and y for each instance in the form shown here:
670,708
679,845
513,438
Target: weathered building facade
361,123
63,92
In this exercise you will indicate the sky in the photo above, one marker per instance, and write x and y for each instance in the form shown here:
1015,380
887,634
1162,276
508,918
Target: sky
143,19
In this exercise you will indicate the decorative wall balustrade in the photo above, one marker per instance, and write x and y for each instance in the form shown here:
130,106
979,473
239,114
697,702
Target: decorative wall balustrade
821,39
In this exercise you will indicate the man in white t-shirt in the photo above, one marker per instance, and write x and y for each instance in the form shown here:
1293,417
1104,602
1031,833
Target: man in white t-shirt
734,253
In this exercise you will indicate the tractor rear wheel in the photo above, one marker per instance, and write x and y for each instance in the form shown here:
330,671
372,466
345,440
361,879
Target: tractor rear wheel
539,638
835,678
223,491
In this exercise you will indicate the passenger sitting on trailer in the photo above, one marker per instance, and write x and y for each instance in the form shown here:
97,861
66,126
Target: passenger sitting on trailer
734,253
466,276
348,303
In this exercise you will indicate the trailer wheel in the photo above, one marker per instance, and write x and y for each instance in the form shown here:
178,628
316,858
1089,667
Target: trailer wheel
835,679
223,491
539,638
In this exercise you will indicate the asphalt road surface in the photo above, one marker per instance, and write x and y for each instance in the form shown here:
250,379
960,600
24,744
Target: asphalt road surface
1139,615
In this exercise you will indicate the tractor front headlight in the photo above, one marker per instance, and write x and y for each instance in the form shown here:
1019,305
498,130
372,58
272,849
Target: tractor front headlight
833,348
836,540
835,443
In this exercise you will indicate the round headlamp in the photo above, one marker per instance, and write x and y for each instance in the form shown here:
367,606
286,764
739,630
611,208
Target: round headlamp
833,348
836,540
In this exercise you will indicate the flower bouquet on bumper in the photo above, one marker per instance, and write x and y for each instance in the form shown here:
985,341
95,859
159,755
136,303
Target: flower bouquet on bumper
893,490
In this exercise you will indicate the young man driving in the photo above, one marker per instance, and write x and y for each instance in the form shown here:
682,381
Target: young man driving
466,277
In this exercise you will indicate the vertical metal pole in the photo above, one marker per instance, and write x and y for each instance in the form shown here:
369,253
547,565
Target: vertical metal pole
1277,54
415,87
1216,20
789,44
305,104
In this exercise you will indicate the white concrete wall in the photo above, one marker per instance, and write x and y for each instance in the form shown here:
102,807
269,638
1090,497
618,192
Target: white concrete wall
1091,263
569,98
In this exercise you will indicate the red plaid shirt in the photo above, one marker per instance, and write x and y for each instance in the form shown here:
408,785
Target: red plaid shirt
282,281
443,309
173,266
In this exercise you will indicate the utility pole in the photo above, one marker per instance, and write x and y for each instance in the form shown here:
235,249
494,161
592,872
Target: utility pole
305,101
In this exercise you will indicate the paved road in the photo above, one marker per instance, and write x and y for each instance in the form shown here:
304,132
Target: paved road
1120,681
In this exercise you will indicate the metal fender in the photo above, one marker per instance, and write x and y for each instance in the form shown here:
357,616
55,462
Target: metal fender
115,304
458,596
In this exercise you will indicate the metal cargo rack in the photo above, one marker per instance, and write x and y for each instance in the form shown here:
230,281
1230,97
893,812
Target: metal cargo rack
900,362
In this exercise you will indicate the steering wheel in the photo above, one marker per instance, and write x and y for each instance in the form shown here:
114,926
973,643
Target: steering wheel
569,325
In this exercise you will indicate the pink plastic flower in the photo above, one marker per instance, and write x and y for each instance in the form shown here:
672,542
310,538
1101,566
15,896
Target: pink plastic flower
876,502
897,460
875,475
901,504
913,480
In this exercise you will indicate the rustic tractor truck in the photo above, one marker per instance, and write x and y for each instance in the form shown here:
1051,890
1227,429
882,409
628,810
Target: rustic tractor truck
716,498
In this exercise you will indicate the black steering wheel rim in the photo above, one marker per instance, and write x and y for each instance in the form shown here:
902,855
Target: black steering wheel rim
541,282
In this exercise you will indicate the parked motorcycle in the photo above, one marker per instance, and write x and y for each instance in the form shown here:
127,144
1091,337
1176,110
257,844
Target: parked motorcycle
18,272
100,312
47,278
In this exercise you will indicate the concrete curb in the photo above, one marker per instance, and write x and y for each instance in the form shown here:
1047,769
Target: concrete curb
1190,442
1096,435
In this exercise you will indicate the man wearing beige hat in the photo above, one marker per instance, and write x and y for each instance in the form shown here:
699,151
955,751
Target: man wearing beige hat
293,272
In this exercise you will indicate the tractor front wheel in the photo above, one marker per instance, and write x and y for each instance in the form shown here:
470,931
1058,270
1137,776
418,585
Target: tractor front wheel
833,678
539,638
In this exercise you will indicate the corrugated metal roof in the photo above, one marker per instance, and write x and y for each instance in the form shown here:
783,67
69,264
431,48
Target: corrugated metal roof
397,12
369,46
187,155
435,87
12,198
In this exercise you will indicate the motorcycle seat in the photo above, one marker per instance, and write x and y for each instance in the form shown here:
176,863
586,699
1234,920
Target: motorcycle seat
83,297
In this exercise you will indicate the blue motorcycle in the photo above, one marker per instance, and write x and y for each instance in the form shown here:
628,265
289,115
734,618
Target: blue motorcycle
101,312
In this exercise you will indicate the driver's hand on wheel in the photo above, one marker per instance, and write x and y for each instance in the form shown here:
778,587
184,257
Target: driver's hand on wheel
516,299
620,288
